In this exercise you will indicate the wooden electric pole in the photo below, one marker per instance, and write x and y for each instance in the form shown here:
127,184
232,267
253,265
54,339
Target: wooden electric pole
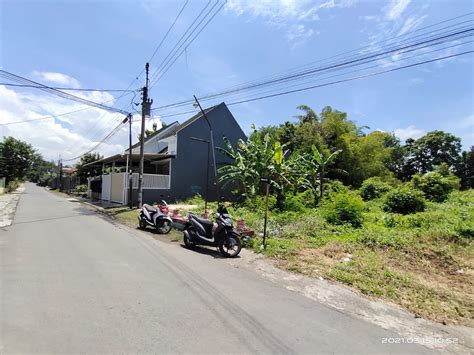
146,106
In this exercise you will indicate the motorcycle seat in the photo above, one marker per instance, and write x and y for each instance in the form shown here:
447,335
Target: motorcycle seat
202,220
149,208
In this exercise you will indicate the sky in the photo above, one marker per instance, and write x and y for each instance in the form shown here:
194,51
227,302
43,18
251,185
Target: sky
105,44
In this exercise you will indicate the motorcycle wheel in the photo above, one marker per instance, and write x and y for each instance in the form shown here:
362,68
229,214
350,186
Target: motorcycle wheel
187,240
141,224
230,247
164,227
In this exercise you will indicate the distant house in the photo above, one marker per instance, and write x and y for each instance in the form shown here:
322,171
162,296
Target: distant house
176,166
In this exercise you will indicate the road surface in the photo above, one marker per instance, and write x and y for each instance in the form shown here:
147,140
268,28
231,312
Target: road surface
73,282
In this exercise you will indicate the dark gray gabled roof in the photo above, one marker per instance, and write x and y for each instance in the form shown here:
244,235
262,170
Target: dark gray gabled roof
175,127
197,116
171,128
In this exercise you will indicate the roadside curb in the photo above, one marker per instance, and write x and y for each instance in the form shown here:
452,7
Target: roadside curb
8,211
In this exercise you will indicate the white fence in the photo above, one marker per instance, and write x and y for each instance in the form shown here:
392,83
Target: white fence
106,187
154,181
115,186
150,181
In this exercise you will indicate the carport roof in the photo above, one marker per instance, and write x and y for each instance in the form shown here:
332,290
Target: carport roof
117,158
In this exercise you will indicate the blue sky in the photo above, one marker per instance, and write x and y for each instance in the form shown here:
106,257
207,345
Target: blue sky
105,44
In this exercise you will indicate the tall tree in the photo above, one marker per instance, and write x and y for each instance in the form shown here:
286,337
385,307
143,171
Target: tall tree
438,147
84,171
16,158
466,169
41,171
309,114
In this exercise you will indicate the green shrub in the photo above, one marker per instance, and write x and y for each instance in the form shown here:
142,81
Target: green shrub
435,186
81,188
12,185
373,188
197,200
344,208
405,201
299,202
334,187
257,204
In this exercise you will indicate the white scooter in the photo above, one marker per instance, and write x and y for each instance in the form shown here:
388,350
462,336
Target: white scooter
156,217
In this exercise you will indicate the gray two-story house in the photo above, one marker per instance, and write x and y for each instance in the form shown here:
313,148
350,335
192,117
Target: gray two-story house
178,160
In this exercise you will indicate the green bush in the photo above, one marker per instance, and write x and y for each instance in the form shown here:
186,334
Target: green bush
373,188
404,200
334,187
435,186
299,202
257,204
344,208
12,185
81,188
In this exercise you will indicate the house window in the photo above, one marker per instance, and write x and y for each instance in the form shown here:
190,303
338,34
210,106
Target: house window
162,168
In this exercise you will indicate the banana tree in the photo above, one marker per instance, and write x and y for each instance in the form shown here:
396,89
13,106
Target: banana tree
318,167
250,162
254,159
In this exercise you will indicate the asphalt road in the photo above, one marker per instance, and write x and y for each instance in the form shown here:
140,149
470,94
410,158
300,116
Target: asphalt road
73,282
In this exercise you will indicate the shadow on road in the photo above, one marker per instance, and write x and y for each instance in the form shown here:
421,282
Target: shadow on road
207,251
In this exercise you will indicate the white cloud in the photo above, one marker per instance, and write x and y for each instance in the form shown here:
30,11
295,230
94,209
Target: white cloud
68,136
57,78
409,132
369,17
292,16
396,8
299,32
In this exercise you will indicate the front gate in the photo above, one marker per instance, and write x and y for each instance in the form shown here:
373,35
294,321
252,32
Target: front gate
106,187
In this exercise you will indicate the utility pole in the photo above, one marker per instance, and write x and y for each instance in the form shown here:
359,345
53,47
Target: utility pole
197,104
146,106
130,162
60,165
267,182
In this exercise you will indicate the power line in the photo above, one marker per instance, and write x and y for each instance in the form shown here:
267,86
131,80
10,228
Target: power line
374,56
167,32
64,88
360,50
192,40
56,92
168,62
393,62
159,45
108,136
334,82
51,116
350,79
179,41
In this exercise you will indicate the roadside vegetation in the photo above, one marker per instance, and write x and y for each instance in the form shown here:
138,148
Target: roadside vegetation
19,161
363,209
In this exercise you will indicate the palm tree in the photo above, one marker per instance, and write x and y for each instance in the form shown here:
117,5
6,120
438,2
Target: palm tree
309,116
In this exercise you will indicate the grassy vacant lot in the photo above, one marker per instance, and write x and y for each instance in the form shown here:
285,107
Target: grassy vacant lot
423,262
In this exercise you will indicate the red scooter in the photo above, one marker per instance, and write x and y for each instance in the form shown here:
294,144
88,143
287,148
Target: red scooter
155,216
